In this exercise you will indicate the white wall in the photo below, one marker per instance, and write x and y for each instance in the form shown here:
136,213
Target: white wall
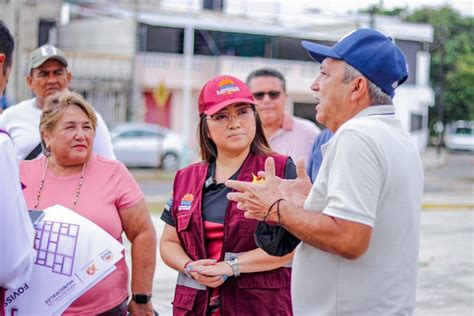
412,99
99,35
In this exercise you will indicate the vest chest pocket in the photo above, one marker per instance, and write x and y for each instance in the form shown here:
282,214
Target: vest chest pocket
186,234
184,298
183,220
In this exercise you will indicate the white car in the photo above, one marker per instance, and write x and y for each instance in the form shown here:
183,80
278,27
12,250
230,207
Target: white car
148,145
460,136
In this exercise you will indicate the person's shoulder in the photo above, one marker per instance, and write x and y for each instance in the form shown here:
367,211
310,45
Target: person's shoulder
278,158
5,141
106,167
31,164
105,162
17,109
361,125
192,167
304,124
29,103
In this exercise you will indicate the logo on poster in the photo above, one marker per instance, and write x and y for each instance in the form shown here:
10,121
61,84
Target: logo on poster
107,255
12,297
91,270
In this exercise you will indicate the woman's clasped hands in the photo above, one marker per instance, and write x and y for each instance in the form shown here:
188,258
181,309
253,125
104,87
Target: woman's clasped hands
209,272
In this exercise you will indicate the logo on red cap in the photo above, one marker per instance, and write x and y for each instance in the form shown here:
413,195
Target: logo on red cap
227,86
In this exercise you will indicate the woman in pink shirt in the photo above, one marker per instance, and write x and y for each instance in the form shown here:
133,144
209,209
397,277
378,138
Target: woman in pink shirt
100,189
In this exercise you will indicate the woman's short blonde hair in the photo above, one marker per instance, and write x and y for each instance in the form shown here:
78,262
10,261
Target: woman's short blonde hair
55,106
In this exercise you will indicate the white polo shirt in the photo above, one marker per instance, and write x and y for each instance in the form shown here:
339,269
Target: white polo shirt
371,174
16,231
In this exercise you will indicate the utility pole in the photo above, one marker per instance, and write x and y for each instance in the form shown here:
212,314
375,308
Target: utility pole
188,52
16,33
372,16
133,100
441,78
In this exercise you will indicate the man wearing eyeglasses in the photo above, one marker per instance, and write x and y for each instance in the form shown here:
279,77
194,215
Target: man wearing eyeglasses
286,134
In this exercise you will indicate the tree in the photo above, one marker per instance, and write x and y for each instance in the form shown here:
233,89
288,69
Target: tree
453,34
453,37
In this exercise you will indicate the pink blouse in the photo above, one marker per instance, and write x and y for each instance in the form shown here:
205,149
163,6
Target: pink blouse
107,188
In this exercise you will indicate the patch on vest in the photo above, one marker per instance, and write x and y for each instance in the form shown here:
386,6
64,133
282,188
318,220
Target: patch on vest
257,179
186,202
169,204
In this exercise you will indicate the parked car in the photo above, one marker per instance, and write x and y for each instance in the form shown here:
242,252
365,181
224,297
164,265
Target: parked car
148,145
460,136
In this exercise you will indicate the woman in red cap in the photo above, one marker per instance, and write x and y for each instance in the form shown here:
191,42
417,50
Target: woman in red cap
206,238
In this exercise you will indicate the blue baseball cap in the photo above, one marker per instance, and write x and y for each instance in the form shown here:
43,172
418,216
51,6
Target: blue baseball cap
370,52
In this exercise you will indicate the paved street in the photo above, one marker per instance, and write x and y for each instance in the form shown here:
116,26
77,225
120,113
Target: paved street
446,263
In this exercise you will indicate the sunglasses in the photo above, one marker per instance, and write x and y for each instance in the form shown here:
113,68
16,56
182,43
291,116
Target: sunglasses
272,94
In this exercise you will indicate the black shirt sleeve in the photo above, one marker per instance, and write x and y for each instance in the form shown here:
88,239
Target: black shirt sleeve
166,215
290,169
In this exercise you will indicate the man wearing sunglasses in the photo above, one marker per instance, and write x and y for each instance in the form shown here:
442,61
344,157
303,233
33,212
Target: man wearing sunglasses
286,134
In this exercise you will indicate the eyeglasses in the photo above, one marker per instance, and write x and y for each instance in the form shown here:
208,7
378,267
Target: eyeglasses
272,94
241,114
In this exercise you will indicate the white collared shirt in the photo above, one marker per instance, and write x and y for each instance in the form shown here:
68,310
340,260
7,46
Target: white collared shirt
371,174
16,231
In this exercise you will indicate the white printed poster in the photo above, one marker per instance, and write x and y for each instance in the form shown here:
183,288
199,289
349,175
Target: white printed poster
72,255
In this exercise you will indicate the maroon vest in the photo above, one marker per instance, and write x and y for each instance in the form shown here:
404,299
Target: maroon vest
2,300
262,293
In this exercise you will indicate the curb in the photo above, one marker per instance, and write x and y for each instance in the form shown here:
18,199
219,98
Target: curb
445,207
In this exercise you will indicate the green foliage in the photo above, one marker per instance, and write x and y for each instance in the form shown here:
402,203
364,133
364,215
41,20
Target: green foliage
455,34
460,99
401,12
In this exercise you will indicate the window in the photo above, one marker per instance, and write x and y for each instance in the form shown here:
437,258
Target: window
217,5
43,31
215,43
464,131
290,48
416,122
410,48
160,39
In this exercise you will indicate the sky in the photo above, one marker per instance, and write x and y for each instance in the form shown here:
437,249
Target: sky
465,7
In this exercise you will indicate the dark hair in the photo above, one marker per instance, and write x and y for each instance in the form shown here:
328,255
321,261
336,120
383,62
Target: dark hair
6,46
267,72
259,145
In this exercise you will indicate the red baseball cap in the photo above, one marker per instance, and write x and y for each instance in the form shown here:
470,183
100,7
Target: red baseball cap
222,91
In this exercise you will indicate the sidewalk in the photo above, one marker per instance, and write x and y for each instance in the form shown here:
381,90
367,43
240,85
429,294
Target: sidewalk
432,159
454,199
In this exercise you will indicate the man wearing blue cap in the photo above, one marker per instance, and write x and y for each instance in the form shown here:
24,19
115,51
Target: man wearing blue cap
360,220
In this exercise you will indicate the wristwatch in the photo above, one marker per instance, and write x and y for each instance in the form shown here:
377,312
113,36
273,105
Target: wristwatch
141,298
233,261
